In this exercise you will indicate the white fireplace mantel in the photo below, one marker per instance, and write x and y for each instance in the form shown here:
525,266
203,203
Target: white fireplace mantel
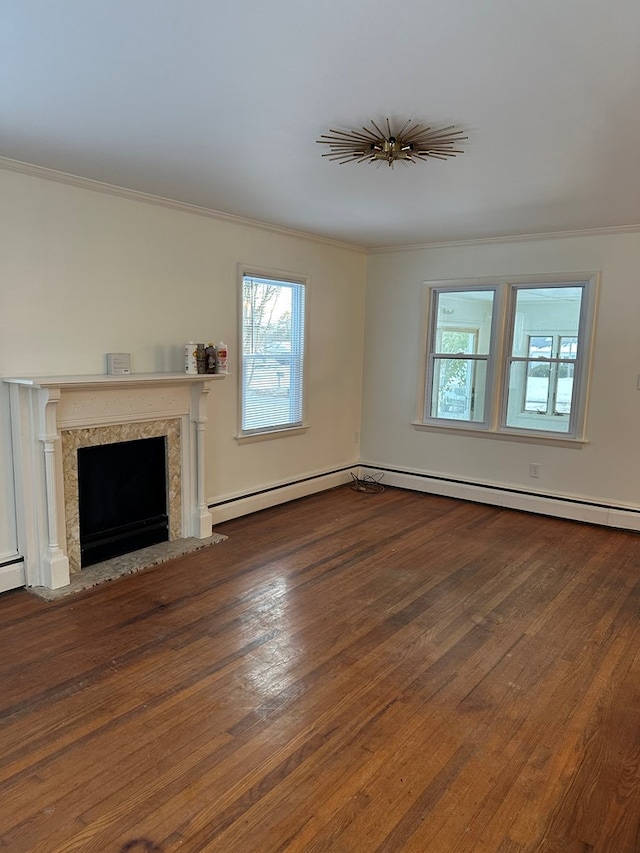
43,407
104,380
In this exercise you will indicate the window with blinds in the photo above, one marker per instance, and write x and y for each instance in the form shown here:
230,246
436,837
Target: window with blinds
272,354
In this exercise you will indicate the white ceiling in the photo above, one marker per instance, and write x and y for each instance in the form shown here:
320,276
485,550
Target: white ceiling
220,104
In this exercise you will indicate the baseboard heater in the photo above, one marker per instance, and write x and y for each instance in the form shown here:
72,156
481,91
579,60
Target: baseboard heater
560,506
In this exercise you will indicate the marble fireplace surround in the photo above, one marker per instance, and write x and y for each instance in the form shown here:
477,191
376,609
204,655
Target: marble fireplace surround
52,416
73,439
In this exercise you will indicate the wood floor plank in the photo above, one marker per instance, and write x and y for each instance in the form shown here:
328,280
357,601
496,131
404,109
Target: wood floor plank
397,672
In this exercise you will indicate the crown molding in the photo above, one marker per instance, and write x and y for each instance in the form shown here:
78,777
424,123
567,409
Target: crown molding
9,165
30,169
514,238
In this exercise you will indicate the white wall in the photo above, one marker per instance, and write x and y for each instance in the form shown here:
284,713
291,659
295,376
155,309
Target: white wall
83,273
606,469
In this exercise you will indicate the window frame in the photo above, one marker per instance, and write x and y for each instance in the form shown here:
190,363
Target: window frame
277,277
432,355
500,356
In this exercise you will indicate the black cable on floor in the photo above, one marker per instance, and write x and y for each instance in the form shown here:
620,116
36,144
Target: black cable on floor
368,484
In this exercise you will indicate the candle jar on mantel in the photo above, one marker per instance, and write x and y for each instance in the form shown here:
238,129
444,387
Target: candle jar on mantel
201,358
210,358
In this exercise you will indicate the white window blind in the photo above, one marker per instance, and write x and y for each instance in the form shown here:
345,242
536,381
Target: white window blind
272,354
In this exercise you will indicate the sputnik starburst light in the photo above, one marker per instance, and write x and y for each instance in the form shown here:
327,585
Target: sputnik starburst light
412,142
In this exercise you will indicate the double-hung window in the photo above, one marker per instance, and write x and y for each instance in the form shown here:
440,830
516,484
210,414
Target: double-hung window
272,354
509,356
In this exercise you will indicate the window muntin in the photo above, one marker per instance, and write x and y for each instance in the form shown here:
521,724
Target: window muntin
273,349
520,366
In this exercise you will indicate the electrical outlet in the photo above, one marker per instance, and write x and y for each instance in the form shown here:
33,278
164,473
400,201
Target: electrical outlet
534,469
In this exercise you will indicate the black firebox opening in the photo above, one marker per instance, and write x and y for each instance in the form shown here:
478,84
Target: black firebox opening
122,489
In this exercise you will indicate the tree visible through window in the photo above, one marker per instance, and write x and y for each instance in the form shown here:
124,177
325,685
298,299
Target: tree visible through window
456,376
272,354
461,334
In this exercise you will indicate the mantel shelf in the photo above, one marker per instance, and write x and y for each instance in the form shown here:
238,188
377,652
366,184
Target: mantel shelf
108,380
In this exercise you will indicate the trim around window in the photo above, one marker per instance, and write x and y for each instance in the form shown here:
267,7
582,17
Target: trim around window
273,315
508,357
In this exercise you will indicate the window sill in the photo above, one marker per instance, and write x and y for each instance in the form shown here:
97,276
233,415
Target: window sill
268,435
554,439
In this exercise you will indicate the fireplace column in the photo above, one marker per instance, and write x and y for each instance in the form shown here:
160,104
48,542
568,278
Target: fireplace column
202,518
55,565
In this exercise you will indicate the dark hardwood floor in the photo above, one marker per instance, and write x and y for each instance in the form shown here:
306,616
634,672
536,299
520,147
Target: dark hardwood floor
349,672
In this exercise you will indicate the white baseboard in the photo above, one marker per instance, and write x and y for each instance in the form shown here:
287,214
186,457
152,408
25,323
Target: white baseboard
11,576
234,507
576,508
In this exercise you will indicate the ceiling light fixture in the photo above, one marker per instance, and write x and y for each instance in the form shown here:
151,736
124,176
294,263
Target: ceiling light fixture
411,143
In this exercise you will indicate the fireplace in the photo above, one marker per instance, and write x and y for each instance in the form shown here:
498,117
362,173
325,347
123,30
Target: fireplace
76,441
122,498
54,419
